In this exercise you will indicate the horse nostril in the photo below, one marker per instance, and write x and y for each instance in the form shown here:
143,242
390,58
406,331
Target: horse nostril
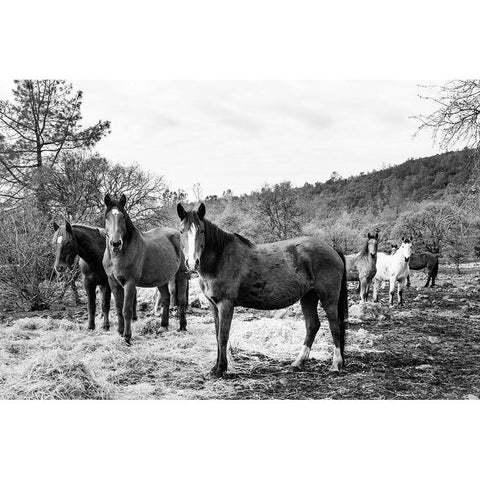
197,263
186,263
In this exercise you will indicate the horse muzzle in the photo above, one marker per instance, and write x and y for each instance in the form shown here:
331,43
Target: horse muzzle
407,259
116,246
195,265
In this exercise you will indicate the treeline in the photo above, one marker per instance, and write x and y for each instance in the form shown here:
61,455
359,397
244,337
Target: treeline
422,198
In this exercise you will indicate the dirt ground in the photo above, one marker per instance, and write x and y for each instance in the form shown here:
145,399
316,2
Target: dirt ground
428,349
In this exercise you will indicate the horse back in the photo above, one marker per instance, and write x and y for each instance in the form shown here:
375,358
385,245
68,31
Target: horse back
275,275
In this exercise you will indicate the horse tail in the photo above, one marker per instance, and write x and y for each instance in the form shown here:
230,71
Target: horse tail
343,302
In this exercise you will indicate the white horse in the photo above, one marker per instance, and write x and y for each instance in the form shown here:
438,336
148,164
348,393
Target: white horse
395,269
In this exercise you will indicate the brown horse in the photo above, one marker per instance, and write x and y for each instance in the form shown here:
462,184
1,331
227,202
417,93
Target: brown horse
427,260
147,259
362,266
235,272
89,244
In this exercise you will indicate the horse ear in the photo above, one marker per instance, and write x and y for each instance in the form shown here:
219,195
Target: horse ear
108,200
68,227
181,211
123,200
376,235
56,226
201,211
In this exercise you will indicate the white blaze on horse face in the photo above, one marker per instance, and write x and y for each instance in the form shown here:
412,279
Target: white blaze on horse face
191,237
59,239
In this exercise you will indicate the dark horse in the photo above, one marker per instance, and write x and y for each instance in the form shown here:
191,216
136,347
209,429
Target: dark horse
89,244
427,260
147,259
362,266
235,272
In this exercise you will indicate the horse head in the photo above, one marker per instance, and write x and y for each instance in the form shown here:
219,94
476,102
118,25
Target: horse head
193,234
372,244
406,249
65,246
116,222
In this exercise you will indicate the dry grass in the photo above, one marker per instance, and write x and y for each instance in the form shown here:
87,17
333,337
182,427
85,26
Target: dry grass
428,349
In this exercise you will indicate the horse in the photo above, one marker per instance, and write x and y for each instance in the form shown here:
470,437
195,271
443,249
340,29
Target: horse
146,259
362,266
395,269
427,260
233,272
89,244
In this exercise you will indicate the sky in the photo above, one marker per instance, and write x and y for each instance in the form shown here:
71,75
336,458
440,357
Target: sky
240,135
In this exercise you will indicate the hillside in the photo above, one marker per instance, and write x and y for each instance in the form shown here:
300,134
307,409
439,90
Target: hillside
440,177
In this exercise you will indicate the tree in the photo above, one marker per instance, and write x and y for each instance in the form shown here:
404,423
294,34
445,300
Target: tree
456,119
197,191
457,114
277,206
430,227
41,122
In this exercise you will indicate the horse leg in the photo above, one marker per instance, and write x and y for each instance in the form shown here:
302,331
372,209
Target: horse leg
309,304
157,302
225,314
106,297
118,295
363,289
73,286
337,332
134,314
214,310
408,281
367,289
429,276
128,305
376,287
90,288
401,285
359,287
392,290
181,282
165,298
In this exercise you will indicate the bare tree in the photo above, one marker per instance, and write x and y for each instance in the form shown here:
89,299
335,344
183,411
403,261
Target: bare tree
197,191
456,117
277,207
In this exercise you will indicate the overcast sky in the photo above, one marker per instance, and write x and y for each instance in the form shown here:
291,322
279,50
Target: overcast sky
242,134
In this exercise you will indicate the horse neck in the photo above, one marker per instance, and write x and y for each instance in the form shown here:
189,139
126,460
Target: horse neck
364,254
90,244
216,240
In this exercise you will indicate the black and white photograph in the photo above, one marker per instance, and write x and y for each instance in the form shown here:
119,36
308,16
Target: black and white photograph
300,240
260,219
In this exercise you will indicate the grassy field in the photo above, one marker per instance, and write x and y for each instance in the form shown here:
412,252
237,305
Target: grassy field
428,349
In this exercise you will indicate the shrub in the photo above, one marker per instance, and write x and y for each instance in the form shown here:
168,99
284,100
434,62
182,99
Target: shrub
26,257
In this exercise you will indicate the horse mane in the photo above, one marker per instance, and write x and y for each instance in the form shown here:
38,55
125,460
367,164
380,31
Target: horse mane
98,230
214,235
219,238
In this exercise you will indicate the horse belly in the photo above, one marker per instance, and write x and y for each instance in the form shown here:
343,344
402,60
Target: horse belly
270,294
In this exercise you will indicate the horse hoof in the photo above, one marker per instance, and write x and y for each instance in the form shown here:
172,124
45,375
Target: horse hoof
182,329
215,372
106,327
91,327
128,340
295,368
162,330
